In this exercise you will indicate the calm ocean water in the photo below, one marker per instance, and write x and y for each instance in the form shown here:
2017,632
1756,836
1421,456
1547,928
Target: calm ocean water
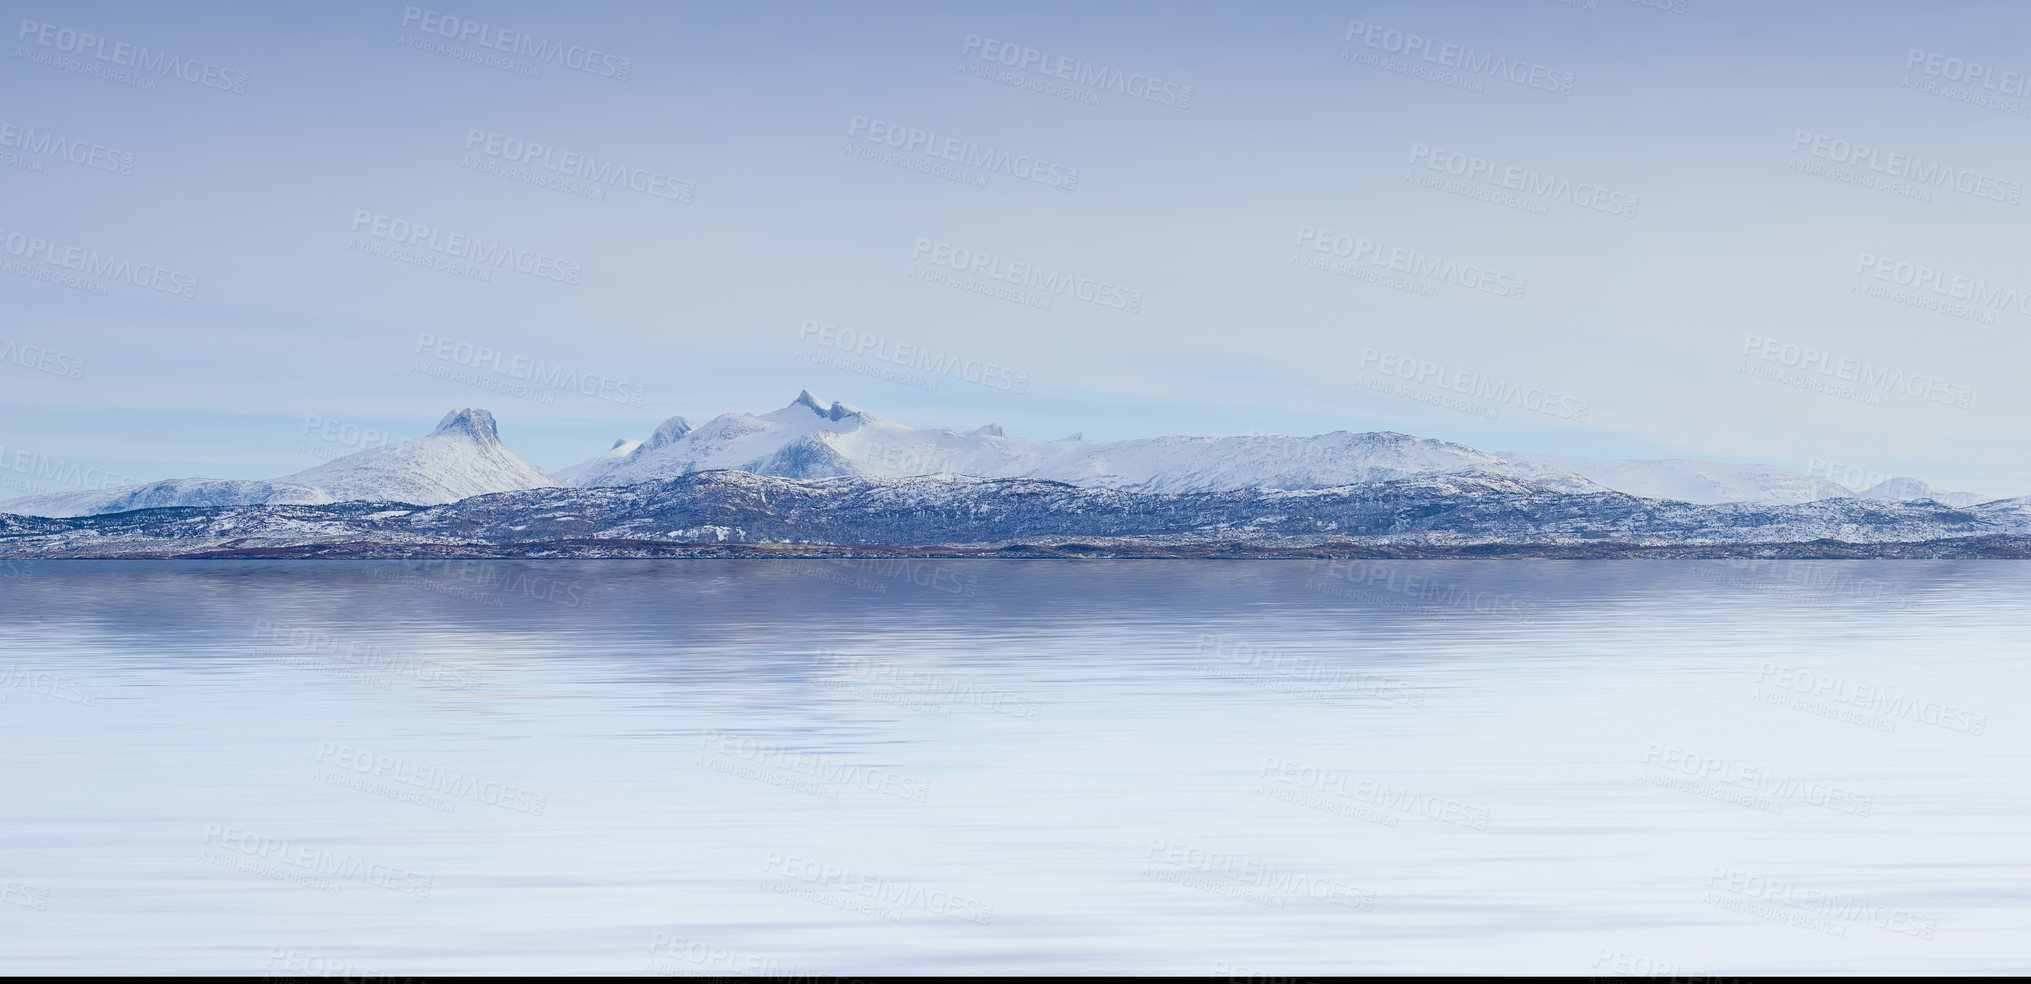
1205,768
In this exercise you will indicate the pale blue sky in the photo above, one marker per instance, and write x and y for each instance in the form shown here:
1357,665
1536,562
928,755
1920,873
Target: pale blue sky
1197,212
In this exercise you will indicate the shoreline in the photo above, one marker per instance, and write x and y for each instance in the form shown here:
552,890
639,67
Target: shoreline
1964,548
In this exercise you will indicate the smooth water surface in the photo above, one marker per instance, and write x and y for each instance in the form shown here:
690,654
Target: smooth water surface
815,767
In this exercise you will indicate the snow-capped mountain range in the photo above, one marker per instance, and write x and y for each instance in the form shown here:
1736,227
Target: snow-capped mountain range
1710,483
463,457
812,439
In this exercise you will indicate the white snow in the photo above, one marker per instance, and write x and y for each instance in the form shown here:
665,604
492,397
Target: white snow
1703,482
1712,482
1906,489
462,458
812,439
570,474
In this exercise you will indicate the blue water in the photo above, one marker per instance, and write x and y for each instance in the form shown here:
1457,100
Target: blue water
1209,768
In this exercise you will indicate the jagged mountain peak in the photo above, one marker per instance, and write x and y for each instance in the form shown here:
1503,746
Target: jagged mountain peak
470,422
668,431
834,411
806,399
810,438
463,457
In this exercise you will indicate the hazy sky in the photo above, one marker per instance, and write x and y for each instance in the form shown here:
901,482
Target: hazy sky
1785,233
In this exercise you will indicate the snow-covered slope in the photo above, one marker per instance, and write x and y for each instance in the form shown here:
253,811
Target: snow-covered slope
813,439
169,492
463,457
1913,490
569,475
1711,482
1681,480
